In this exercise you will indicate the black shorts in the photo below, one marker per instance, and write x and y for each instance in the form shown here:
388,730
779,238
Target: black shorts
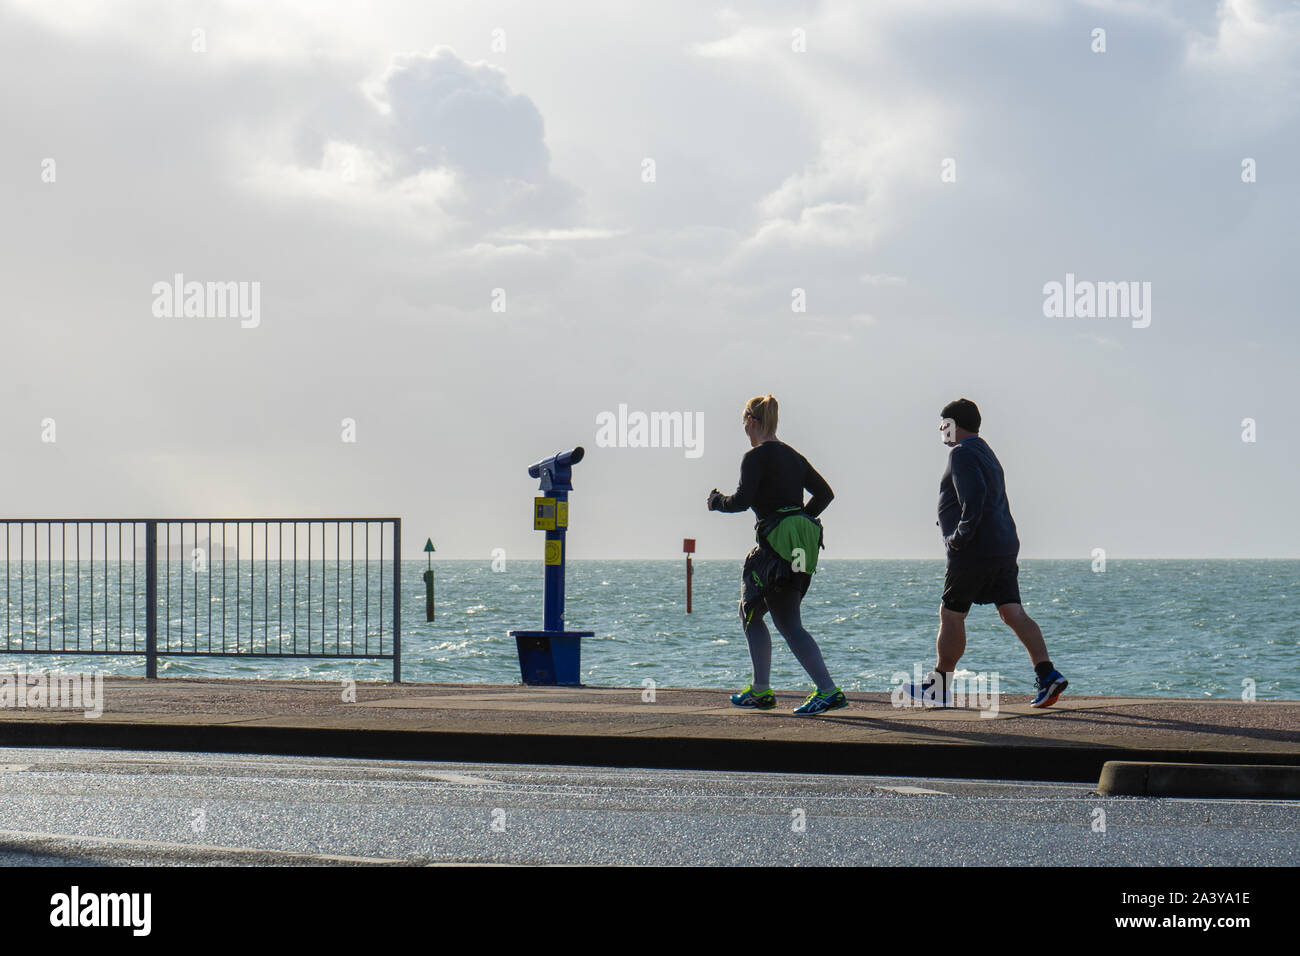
990,581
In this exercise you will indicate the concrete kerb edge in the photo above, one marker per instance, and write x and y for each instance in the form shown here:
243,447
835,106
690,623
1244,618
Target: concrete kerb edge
1080,764
1139,778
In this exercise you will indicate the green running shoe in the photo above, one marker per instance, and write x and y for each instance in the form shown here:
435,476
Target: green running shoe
819,703
747,698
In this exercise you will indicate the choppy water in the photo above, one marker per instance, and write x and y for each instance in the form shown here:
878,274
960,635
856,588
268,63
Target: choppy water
1159,628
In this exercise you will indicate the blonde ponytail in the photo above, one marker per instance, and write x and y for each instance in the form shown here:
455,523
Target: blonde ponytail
764,409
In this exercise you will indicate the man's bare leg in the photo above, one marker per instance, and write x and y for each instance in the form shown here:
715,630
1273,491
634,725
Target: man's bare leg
952,640
1014,616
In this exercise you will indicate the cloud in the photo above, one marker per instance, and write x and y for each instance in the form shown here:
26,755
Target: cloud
443,111
560,235
1250,60
744,44
1250,34
383,199
881,280
448,145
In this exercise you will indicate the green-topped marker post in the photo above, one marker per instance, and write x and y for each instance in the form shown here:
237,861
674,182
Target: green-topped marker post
428,582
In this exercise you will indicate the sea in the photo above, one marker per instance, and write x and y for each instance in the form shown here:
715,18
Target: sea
1164,628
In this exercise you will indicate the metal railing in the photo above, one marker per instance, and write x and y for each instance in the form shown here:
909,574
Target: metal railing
249,587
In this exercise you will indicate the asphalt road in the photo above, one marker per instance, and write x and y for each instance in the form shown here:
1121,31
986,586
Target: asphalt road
64,807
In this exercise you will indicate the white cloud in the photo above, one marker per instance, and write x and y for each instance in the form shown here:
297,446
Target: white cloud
744,44
355,182
380,225
561,235
449,144
1252,38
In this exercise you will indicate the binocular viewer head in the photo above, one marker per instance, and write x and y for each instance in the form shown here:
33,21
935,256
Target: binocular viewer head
556,472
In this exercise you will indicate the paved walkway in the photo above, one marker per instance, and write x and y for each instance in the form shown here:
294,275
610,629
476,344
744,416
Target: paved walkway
680,728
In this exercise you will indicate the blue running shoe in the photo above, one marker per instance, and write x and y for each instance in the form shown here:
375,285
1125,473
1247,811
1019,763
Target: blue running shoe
747,698
819,703
931,692
1049,689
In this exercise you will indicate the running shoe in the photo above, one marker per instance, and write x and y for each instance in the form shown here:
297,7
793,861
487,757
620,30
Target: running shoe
819,703
747,698
927,693
1049,689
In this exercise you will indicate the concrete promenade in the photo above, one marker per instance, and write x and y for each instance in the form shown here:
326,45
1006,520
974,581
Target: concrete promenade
686,729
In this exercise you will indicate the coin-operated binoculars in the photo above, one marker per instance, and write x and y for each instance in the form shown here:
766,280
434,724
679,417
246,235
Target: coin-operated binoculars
552,655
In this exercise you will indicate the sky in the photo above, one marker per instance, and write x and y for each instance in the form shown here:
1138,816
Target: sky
473,231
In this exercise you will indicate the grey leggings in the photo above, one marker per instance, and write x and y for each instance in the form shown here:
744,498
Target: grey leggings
784,606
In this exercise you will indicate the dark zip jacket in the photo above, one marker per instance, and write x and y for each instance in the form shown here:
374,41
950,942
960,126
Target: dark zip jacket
973,512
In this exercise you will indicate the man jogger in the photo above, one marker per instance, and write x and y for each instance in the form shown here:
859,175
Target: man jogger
980,537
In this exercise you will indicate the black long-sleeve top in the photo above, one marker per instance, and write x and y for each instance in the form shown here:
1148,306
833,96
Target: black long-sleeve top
773,475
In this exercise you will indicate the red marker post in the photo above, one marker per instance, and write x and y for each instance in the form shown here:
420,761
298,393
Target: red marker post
688,545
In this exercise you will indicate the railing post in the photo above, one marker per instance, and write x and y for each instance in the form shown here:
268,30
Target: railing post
397,600
151,599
